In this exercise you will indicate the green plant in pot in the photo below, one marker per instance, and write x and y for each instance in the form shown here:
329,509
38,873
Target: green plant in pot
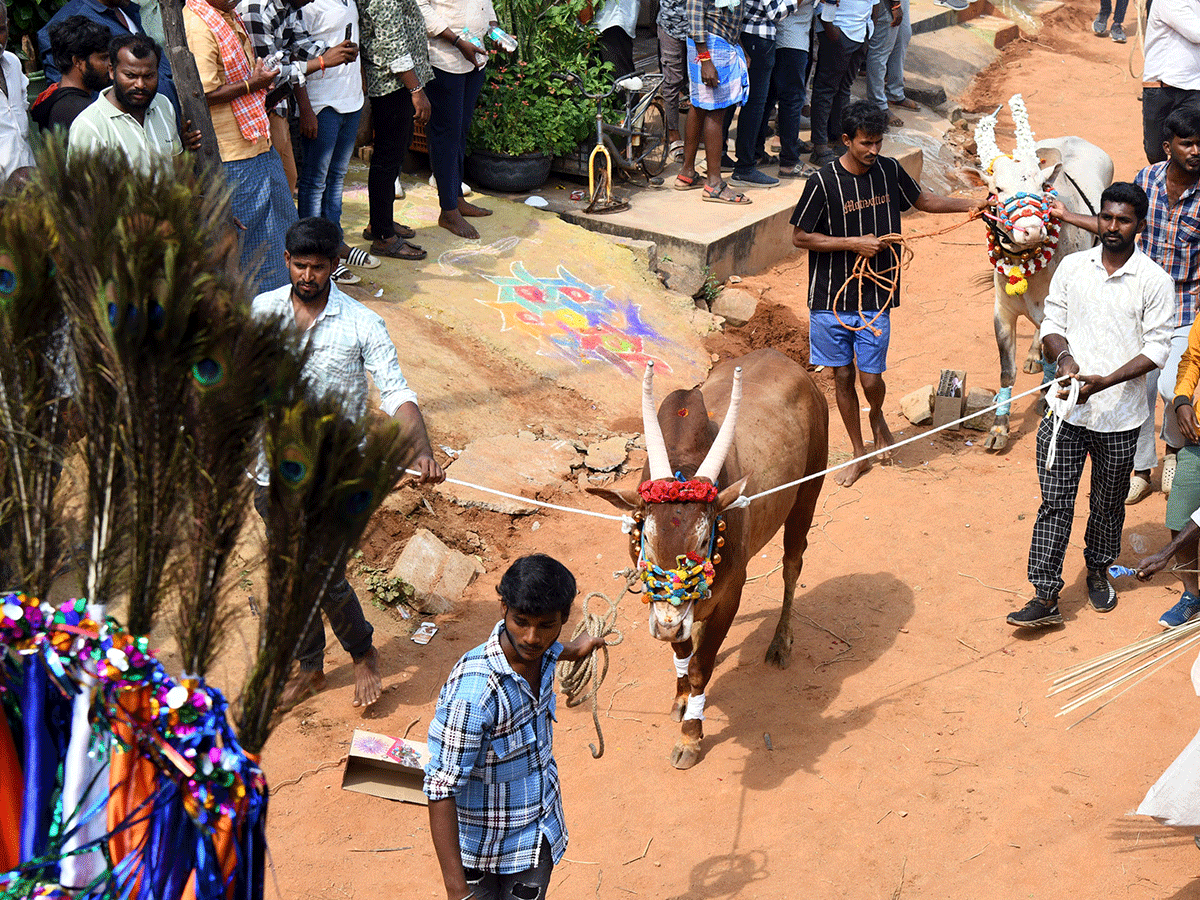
527,114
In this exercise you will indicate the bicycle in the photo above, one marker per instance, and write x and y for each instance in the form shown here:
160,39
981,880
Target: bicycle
643,130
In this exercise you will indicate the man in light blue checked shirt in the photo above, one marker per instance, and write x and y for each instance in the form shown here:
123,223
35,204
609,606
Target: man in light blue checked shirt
495,807
348,341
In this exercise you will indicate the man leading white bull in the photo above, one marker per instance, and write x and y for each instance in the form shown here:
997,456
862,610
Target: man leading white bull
1107,323
1171,239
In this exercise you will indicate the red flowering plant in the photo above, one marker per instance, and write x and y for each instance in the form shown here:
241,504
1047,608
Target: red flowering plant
525,107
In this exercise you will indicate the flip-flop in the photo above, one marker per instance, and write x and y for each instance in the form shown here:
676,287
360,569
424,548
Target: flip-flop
720,195
398,248
403,230
342,275
362,259
688,182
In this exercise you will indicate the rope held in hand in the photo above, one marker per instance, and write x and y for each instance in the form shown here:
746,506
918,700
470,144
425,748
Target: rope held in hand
575,675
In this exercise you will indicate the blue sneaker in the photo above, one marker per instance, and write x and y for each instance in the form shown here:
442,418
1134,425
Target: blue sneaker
1182,612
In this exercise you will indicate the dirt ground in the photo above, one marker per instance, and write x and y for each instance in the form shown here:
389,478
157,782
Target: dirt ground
909,751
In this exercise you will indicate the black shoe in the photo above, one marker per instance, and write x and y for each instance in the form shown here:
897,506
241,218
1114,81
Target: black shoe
1100,591
1037,613
728,162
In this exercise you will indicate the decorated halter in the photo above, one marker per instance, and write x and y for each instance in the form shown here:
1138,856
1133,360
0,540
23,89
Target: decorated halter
692,577
1018,266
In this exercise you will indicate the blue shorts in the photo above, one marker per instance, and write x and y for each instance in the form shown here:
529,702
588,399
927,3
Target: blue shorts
832,344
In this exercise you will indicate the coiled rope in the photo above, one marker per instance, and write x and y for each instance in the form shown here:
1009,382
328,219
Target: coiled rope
575,675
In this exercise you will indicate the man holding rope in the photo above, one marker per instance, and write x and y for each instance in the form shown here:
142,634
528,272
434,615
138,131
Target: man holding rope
1110,310
850,211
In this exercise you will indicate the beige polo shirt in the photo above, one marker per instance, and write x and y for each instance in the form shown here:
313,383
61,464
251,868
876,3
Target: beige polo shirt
203,44
103,125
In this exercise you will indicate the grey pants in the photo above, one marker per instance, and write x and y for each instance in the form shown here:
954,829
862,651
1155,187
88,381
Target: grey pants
672,59
528,885
340,605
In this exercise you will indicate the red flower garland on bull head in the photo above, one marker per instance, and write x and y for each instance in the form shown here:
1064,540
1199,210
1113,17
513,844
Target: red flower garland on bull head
677,491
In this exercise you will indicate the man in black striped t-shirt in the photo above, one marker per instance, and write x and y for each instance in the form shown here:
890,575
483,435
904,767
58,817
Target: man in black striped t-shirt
842,215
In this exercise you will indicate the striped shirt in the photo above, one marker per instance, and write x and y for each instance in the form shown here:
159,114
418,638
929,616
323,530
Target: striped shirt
763,15
348,341
143,143
491,749
838,203
1172,238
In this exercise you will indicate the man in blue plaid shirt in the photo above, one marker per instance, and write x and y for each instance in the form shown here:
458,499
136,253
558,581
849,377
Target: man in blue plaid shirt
495,808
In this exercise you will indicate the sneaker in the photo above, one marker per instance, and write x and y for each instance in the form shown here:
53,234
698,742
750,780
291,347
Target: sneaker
1037,613
753,178
1184,611
1117,33
956,5
1168,473
1101,593
1100,26
1139,489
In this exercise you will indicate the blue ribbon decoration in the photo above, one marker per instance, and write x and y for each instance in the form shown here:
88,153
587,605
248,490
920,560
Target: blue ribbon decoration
46,715
1002,397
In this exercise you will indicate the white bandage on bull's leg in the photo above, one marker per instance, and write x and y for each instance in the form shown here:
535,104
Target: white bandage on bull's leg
695,707
681,666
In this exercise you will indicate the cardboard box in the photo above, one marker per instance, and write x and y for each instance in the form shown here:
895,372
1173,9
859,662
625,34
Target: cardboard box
949,403
388,767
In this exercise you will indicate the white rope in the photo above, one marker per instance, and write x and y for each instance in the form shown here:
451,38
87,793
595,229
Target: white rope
746,501
1061,407
627,521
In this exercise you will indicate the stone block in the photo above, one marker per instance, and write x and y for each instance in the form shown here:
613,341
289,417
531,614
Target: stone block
606,456
977,399
926,92
645,251
681,278
508,463
918,406
439,575
735,305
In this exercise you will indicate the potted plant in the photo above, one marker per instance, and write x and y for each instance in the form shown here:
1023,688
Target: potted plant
527,114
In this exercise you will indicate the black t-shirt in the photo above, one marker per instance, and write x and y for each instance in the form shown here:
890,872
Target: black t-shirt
838,203
61,107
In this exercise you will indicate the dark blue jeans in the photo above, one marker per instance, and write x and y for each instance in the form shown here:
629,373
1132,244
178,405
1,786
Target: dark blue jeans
760,60
392,122
837,65
326,158
790,67
1117,10
452,99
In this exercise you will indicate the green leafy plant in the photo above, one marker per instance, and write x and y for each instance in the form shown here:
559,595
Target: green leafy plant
711,289
387,591
25,17
525,107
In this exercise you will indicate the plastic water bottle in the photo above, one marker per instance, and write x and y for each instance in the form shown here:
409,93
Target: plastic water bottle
505,40
478,42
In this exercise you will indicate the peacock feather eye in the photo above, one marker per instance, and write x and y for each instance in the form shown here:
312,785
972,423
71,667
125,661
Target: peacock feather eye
292,470
208,372
157,316
112,314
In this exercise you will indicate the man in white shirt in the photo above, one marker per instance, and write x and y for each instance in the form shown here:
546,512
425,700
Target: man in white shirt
1109,314
14,109
1171,73
131,115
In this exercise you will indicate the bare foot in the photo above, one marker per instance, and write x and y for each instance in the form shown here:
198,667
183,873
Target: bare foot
453,222
847,476
883,438
470,209
304,684
367,683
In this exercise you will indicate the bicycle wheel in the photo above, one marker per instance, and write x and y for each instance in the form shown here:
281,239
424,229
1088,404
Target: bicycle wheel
651,139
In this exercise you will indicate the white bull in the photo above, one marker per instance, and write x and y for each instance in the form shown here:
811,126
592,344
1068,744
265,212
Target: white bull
1025,245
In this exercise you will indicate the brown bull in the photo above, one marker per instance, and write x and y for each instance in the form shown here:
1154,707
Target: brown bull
775,430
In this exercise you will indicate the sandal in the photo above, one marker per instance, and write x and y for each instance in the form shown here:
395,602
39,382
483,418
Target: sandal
675,151
398,248
342,275
362,259
402,230
688,182
724,194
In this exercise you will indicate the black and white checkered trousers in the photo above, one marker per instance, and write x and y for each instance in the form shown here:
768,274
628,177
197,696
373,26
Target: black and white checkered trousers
1112,461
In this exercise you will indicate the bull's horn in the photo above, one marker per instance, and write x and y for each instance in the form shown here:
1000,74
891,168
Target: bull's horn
656,447
985,141
711,467
1026,147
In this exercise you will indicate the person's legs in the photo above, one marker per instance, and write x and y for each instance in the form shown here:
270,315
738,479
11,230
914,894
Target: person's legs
318,153
879,51
1156,106
1146,456
281,215
343,149
1112,458
842,97
1052,529
444,132
671,61
894,79
832,61
532,883
789,84
760,60
714,142
281,140
1118,10
262,202
616,47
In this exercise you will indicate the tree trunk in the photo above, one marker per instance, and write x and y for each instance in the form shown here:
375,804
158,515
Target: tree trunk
187,83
